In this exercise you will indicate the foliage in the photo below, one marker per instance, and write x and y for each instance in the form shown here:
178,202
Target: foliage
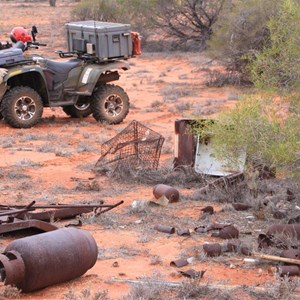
99,10
263,127
189,20
276,66
180,20
241,30
266,124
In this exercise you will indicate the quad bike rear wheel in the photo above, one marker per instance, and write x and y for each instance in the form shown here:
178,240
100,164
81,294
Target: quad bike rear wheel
78,110
110,104
22,107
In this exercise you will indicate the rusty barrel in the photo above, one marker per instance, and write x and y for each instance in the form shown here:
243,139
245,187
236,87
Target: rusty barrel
34,262
165,190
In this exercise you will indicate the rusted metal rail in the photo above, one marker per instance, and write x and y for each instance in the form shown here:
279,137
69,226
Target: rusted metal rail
17,217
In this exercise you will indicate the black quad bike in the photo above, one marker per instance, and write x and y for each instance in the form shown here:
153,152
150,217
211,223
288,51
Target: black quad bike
81,85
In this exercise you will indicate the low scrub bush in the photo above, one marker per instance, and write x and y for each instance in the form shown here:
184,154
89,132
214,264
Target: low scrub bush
262,127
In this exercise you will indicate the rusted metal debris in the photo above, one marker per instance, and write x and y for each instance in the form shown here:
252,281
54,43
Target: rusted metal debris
165,229
240,206
137,145
192,273
185,143
208,210
233,245
169,192
179,263
212,249
38,261
183,232
17,217
288,270
228,232
222,182
18,224
210,226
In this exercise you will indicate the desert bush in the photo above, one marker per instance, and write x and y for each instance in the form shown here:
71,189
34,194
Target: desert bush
281,288
255,126
152,288
275,66
99,10
240,30
189,20
86,294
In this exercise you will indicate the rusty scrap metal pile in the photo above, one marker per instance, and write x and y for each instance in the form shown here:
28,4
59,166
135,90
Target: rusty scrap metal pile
289,254
18,217
54,248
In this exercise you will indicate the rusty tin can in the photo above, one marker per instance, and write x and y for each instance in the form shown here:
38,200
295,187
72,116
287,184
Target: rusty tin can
289,271
165,190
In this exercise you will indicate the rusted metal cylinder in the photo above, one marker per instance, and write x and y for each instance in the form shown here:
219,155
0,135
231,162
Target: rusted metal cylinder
165,190
165,229
289,270
179,263
228,232
212,249
233,245
34,262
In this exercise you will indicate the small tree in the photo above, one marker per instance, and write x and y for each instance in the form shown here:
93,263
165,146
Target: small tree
187,20
267,124
241,30
99,10
277,64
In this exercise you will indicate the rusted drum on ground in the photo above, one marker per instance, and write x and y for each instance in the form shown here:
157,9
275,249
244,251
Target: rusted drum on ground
165,190
34,262
288,271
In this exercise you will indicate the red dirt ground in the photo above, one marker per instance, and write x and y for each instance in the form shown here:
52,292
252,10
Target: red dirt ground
156,85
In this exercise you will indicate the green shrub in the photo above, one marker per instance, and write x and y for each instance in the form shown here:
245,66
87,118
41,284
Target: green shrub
99,10
255,125
277,65
240,30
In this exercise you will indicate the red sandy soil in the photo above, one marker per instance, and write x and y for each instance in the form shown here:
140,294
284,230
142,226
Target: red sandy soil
151,78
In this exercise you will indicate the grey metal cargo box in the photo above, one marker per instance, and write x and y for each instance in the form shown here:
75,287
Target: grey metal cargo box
11,55
102,39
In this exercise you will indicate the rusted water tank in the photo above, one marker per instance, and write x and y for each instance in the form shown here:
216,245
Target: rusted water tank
34,262
165,190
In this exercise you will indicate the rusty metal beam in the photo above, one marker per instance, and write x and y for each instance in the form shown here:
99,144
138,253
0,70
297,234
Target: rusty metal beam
26,224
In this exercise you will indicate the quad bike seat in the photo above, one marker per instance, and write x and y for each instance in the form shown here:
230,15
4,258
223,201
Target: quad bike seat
62,67
59,70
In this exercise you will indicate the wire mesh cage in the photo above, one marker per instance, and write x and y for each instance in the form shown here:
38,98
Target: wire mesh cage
136,146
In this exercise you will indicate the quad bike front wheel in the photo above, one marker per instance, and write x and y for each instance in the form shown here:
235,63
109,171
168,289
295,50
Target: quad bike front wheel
22,107
110,104
80,110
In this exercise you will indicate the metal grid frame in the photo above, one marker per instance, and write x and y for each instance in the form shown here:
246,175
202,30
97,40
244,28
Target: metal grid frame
136,145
